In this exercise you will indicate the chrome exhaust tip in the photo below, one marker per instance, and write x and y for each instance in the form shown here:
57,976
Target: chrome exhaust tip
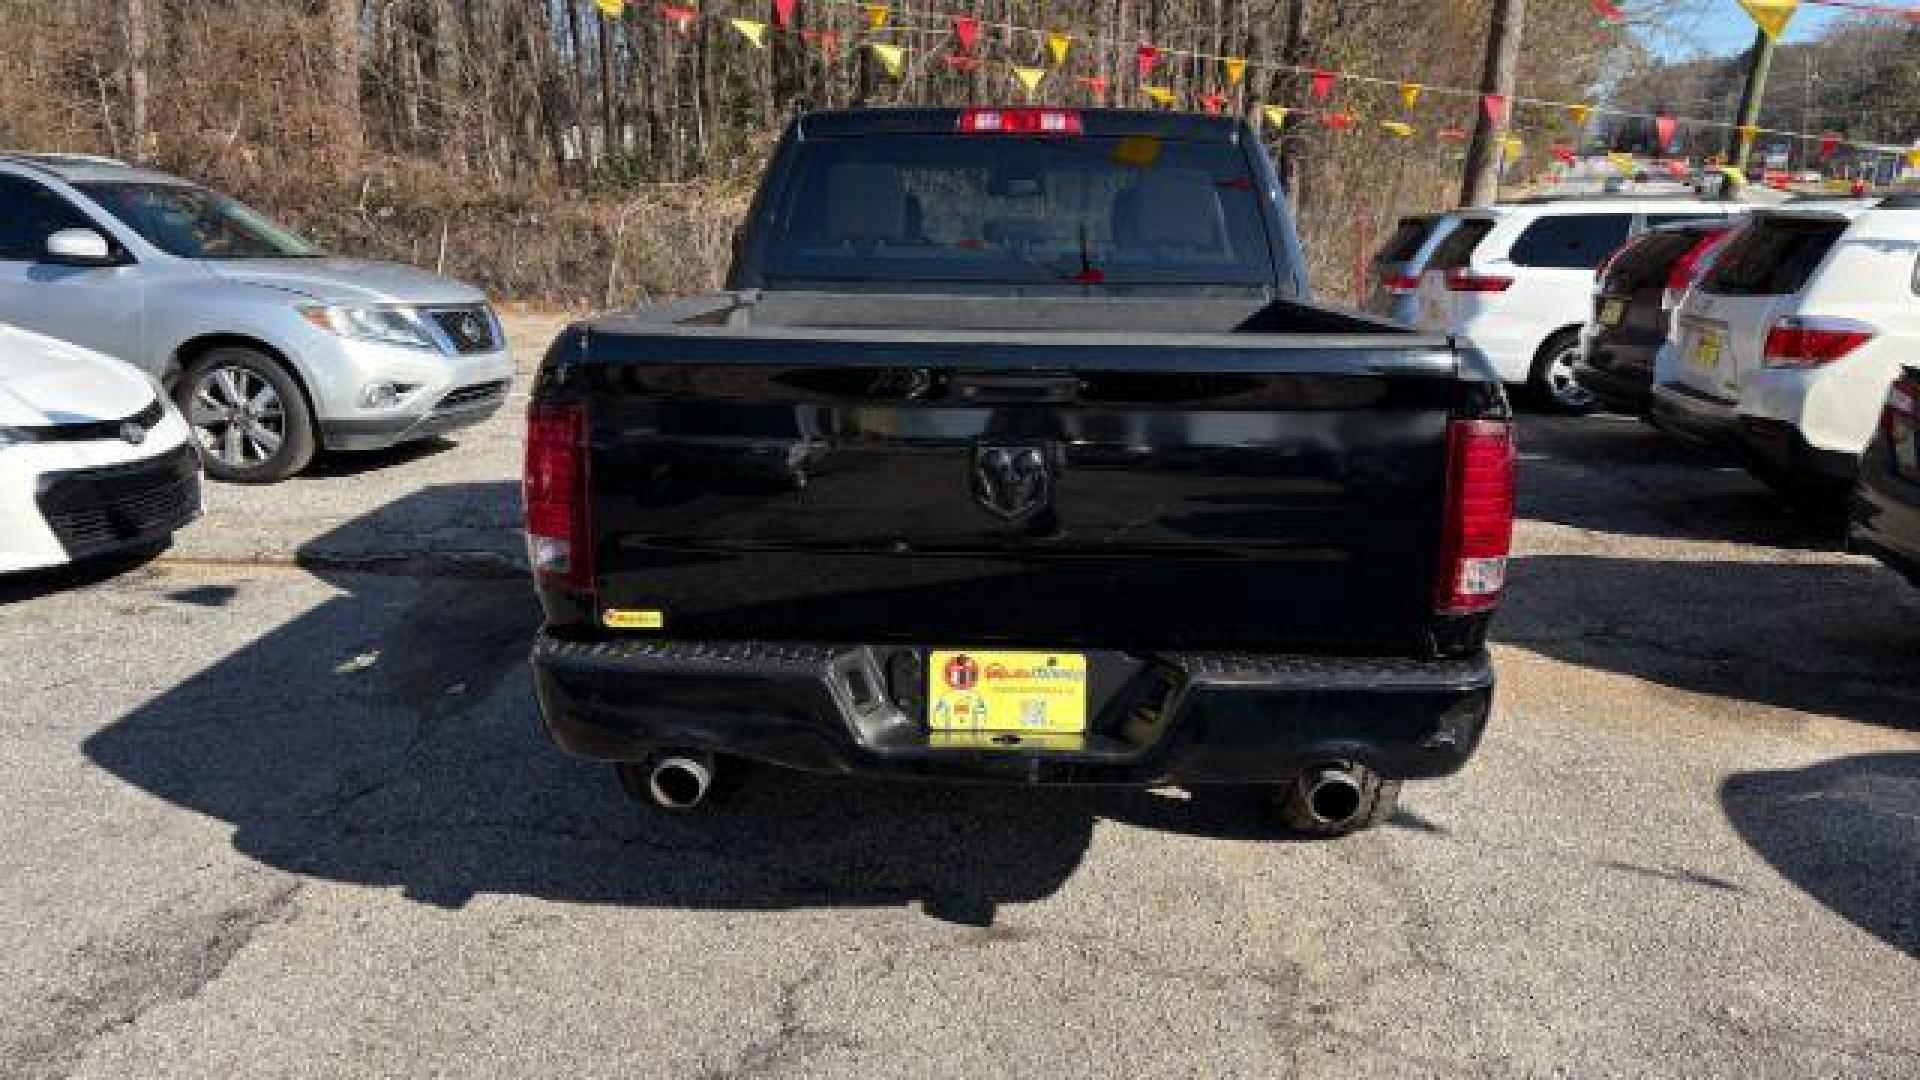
1334,795
679,781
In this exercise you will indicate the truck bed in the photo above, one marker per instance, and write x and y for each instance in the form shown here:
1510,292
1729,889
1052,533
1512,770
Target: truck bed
1220,473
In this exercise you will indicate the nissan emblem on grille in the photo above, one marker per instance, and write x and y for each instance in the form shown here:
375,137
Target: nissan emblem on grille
1012,482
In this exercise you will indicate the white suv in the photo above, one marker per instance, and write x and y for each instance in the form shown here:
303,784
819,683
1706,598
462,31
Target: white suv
1516,280
1786,348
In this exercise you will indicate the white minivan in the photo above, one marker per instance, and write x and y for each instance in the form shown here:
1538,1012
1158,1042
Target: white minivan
1785,350
1516,280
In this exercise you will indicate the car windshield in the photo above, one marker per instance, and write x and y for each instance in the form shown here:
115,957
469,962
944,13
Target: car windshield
194,223
1092,210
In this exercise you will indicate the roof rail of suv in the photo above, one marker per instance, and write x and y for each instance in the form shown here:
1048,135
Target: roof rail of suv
49,162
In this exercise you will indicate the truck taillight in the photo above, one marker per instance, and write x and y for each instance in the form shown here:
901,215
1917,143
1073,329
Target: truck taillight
1809,343
554,487
1019,122
1461,279
1477,528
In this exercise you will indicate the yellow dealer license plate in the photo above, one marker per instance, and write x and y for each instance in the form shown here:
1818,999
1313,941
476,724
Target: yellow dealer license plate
1038,692
1706,349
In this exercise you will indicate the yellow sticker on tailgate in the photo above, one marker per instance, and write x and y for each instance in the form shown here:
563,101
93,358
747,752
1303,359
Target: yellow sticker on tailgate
1007,691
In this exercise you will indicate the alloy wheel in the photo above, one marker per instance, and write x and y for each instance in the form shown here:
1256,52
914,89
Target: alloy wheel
238,416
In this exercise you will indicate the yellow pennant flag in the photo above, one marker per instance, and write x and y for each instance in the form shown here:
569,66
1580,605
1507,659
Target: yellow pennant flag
1397,129
1409,94
1623,162
1029,77
891,56
1913,158
753,30
1058,43
1579,114
1771,16
877,16
1236,69
1161,95
1513,148
1276,115
612,9
1747,132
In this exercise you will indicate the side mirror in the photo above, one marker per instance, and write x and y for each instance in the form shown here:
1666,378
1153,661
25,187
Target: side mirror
79,247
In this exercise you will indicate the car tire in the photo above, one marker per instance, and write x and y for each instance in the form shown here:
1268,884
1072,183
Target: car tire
1552,381
1375,802
249,416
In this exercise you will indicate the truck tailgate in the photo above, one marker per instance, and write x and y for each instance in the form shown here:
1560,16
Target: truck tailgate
1083,493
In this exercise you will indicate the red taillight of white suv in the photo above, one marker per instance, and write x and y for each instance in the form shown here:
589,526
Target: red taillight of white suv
554,487
1461,279
1811,343
1477,528
1401,284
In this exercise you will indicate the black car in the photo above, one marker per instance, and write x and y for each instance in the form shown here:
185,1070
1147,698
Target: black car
1886,500
1638,288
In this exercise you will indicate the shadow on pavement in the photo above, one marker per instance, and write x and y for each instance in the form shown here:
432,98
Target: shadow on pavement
1846,831
388,737
33,584
1835,638
337,463
1575,471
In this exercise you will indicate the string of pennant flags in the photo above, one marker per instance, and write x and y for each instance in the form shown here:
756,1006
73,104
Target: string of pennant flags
957,42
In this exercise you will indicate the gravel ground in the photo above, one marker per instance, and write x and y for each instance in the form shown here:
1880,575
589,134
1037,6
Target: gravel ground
277,805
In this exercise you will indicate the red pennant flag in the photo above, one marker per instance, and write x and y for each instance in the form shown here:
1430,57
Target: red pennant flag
1338,121
967,29
1213,103
1562,153
1145,58
1829,142
962,62
1322,85
1495,106
1096,85
681,17
783,12
1609,11
1678,169
1663,126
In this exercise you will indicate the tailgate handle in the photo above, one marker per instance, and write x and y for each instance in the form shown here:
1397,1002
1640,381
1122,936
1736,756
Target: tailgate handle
1006,389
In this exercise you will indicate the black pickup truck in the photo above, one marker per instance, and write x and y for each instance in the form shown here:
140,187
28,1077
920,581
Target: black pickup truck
1015,451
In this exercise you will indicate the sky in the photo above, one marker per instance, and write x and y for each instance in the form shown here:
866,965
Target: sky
1722,28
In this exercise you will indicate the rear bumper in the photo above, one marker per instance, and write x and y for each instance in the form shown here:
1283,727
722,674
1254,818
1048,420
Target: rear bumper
1191,718
1625,390
1777,448
1693,418
1886,515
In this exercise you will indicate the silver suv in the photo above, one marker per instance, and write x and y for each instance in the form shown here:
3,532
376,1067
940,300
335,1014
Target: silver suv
272,349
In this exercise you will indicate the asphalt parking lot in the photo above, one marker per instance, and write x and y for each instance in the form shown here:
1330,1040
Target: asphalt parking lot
276,804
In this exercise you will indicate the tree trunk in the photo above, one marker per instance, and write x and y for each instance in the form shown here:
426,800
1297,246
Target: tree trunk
135,28
343,85
1481,185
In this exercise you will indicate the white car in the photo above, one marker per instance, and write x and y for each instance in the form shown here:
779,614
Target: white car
1785,350
1516,281
94,460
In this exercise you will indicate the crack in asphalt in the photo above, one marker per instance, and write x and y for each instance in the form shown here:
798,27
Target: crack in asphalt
170,957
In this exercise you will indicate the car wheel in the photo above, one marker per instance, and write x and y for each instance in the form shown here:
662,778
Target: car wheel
248,415
1553,381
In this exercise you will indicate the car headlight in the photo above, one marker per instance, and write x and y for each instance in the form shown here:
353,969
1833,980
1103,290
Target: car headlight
392,325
